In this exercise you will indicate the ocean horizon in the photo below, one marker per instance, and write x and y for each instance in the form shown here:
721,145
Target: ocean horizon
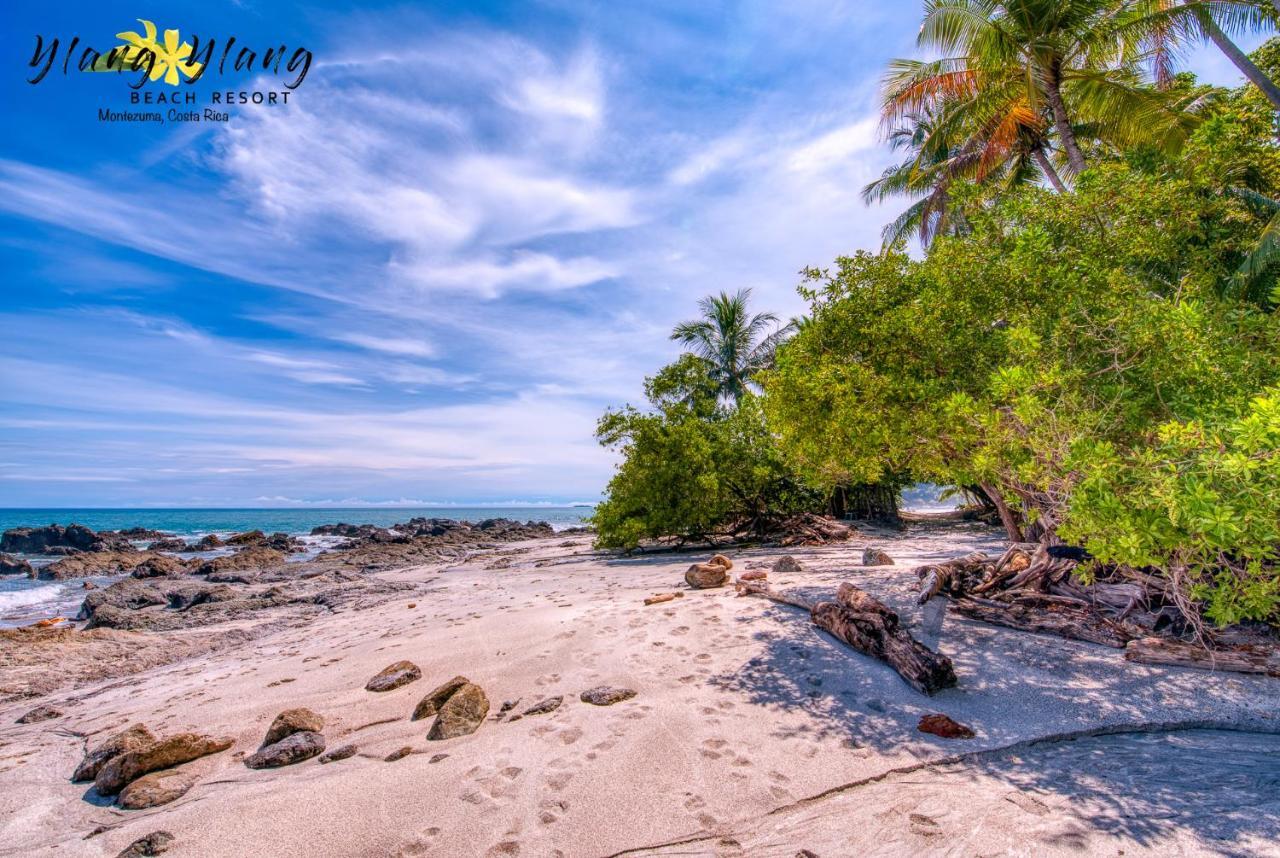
197,521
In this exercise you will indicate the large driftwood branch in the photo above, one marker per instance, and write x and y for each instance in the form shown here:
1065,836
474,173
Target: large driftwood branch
1240,659
1046,615
872,628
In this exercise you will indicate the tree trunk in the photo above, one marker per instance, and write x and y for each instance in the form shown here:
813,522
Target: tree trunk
1241,659
1007,518
1240,59
1050,173
1047,615
1061,121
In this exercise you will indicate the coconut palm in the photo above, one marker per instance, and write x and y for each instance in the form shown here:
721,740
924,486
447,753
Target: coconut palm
1163,26
735,344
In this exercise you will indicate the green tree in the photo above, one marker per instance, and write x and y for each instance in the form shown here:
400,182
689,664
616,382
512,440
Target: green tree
734,344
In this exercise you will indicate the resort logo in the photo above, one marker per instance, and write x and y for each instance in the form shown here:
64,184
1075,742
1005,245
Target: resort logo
146,58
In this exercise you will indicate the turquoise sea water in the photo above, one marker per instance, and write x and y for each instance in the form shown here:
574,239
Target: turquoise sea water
186,522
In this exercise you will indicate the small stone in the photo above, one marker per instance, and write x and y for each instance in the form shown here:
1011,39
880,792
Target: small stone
462,713
721,560
146,847
398,754
162,754
339,754
431,704
40,713
872,556
659,598
942,725
156,789
292,721
130,739
787,565
293,748
606,695
542,707
704,576
435,758
393,676
754,575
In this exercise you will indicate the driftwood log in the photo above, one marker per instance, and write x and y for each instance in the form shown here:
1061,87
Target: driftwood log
1046,616
872,628
1243,658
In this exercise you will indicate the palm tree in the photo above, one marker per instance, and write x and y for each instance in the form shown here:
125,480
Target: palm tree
1162,24
732,342
1265,252
1056,66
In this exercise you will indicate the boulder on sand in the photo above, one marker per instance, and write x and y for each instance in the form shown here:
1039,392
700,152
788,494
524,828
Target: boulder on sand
787,565
431,704
147,847
162,754
461,714
944,726
703,576
873,556
338,754
290,721
393,676
130,739
606,695
156,789
293,748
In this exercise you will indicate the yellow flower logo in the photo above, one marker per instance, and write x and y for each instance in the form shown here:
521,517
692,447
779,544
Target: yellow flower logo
170,57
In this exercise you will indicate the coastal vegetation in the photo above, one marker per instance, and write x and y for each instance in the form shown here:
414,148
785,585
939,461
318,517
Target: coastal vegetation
1089,340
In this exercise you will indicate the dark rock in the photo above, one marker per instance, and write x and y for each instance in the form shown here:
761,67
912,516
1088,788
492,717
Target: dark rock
172,543
942,725
10,565
130,595
130,739
208,542
606,695
147,847
435,758
872,556
122,770
40,713
292,721
156,789
393,676
293,748
542,707
254,557
431,704
787,565
40,540
135,533
339,754
462,713
160,566
182,598
246,538
398,754
87,563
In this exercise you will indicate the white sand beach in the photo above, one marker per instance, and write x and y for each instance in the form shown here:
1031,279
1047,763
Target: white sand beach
751,731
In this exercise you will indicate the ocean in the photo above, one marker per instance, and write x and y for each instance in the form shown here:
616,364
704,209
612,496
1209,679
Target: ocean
23,600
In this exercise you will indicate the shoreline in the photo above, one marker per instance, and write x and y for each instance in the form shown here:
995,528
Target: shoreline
746,731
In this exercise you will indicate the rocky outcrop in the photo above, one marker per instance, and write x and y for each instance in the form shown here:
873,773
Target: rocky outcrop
130,739
787,565
88,563
39,540
873,556
282,542
393,676
135,533
460,715
120,771
155,843
159,566
156,789
293,748
431,704
10,565
40,713
254,557
249,537
129,595
606,695
173,543
290,721
208,542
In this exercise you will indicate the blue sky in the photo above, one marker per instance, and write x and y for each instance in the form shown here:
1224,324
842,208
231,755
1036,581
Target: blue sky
423,280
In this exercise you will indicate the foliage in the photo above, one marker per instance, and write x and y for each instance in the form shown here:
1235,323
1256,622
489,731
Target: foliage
1055,325
692,469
